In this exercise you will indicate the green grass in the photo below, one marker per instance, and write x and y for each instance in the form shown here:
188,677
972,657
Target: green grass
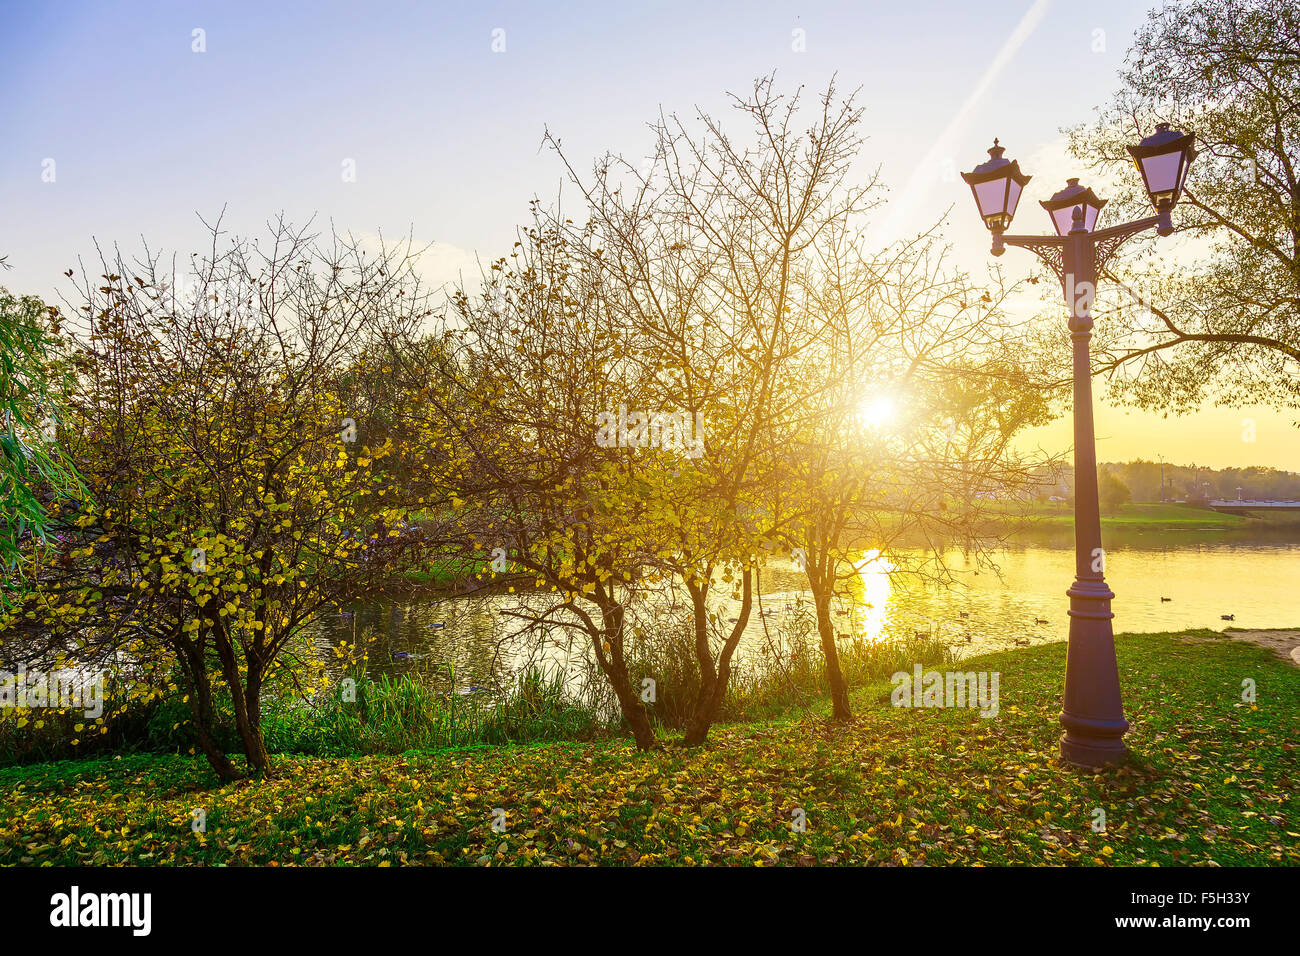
1213,781
1156,516
442,573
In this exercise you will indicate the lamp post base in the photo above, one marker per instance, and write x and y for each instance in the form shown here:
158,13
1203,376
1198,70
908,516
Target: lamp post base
1093,715
1093,753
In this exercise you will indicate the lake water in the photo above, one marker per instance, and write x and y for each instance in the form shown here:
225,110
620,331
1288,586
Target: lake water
465,643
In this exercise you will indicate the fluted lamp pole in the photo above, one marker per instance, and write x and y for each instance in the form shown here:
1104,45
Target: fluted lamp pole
1092,711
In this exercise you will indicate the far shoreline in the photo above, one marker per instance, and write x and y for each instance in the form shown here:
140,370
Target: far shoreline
1148,516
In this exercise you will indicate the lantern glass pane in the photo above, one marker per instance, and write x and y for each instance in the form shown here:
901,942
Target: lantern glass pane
1090,214
1013,197
1063,219
992,197
1162,173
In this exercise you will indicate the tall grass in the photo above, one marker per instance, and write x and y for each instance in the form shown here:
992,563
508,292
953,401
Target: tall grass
788,672
391,715
385,715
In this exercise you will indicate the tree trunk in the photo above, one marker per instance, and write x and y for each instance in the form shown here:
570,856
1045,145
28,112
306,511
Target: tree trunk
706,711
706,702
217,759
713,686
826,630
204,719
615,668
248,725
637,717
254,743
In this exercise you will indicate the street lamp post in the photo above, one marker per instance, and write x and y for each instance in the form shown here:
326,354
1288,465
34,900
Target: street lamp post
1092,712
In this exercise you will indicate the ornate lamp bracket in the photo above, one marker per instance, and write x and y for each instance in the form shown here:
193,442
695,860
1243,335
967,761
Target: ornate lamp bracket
1106,241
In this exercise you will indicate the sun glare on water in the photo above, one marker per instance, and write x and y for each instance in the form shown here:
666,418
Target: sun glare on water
873,567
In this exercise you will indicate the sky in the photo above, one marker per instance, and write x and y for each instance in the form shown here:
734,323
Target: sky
121,121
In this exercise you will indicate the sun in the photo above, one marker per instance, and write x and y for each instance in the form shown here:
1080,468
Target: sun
877,411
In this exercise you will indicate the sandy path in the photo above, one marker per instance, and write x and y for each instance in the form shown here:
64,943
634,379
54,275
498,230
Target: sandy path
1285,644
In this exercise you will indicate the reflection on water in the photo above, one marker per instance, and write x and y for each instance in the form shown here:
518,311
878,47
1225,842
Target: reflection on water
874,573
462,644
457,645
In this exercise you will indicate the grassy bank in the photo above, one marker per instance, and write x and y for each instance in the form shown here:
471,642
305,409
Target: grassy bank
1213,781
1153,516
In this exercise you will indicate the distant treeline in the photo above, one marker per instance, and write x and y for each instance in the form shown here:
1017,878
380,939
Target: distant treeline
1190,481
